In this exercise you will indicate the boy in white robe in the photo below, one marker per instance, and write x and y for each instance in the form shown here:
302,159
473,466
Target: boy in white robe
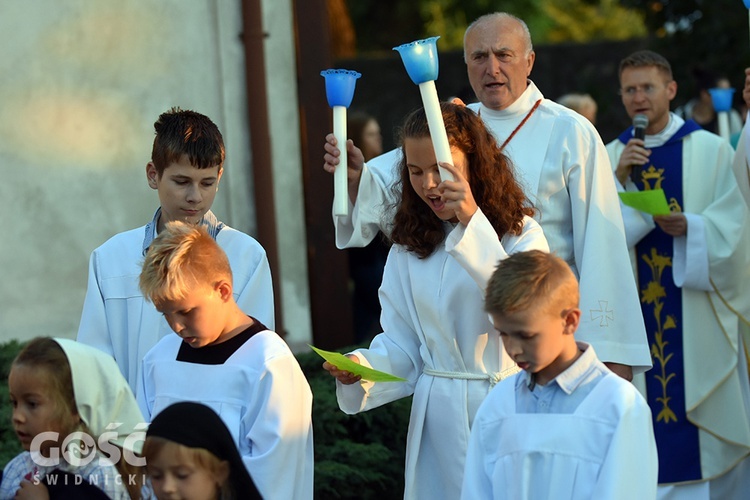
226,360
566,427
187,162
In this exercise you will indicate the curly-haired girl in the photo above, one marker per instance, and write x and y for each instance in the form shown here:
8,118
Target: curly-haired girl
448,237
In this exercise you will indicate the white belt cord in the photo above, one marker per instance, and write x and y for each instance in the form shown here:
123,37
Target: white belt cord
494,378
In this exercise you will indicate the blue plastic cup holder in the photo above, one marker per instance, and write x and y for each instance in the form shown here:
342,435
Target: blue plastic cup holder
722,99
420,59
340,85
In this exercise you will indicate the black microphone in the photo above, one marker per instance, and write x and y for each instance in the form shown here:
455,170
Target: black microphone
640,122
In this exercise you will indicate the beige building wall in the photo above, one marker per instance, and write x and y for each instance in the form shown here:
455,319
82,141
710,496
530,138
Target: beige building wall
81,83
281,79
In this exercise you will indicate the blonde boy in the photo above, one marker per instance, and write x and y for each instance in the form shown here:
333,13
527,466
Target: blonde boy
565,427
227,360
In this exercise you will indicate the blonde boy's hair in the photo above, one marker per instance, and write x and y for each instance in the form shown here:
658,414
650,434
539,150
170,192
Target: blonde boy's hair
531,280
179,259
198,457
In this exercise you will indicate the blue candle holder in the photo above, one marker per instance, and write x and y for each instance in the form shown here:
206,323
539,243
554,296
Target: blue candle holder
340,86
420,59
747,3
722,99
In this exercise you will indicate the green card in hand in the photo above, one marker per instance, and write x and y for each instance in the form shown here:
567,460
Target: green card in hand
343,363
651,201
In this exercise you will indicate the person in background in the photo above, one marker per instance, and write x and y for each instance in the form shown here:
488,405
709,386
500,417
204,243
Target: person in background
741,165
743,109
582,104
701,107
366,264
364,131
693,272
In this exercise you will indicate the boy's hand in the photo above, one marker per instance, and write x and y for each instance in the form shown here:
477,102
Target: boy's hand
342,376
355,161
457,195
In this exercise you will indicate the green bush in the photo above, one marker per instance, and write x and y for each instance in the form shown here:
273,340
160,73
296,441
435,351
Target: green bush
356,456
9,445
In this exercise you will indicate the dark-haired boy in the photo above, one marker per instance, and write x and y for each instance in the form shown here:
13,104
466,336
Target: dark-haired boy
186,166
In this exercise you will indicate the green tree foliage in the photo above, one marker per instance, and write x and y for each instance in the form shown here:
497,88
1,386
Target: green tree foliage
584,21
382,24
712,34
9,445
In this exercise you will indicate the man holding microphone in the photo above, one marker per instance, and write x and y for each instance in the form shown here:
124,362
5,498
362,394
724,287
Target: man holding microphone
692,268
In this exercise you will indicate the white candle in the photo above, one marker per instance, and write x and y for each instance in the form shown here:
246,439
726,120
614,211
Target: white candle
340,184
723,117
437,127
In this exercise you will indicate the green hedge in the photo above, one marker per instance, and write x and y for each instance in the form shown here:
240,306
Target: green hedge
359,456
9,445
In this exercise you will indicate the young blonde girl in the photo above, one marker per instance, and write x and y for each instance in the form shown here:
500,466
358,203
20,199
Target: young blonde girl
66,394
448,237
191,454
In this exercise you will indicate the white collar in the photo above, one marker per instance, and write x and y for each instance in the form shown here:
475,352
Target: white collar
520,106
660,138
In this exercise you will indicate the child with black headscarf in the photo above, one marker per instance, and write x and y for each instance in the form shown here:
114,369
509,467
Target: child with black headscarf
189,449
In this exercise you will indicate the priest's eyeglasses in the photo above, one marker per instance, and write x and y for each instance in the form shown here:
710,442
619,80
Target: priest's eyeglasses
647,89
